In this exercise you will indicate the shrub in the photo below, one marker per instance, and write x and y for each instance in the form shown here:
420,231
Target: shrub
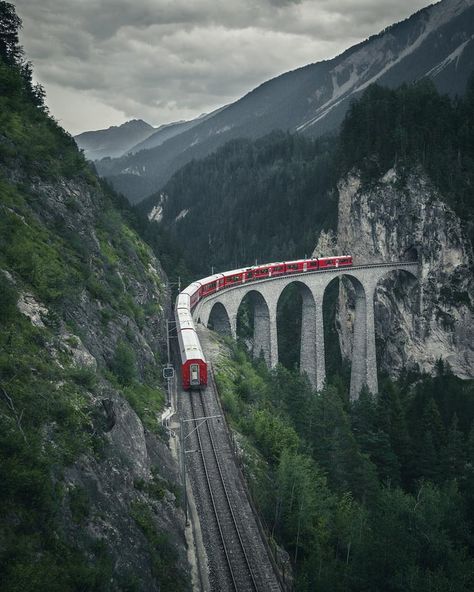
8,300
124,364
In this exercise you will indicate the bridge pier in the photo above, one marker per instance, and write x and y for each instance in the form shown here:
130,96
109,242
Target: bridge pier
371,356
312,362
265,332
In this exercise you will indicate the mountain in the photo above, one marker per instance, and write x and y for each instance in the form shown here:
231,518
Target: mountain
113,141
87,483
283,179
437,42
162,133
396,181
169,130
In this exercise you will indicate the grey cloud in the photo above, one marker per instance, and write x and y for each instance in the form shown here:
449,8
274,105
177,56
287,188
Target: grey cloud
168,59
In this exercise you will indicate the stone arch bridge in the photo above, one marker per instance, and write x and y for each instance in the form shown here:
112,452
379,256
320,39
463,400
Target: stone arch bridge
222,308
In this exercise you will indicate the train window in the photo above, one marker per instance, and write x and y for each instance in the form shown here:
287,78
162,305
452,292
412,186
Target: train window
293,266
313,263
250,275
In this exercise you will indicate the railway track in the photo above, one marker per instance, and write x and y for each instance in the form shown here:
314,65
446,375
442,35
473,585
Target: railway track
241,575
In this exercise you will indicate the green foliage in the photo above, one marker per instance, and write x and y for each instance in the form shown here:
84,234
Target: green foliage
147,402
411,126
48,417
123,364
370,495
39,257
79,504
44,425
153,488
8,300
85,377
263,199
162,553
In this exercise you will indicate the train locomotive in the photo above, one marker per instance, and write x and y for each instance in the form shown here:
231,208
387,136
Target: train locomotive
193,363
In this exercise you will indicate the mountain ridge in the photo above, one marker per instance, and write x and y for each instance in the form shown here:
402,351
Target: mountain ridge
113,141
314,98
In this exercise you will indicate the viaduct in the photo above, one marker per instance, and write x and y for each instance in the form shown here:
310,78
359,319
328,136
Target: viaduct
222,308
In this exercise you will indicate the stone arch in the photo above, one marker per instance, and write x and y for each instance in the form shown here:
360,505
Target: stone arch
308,329
219,319
355,297
262,339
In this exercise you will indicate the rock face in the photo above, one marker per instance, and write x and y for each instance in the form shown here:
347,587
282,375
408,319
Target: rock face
416,322
119,498
128,484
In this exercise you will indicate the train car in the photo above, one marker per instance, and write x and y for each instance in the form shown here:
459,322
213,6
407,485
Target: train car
212,284
332,262
182,301
312,264
276,269
261,272
194,293
233,278
193,363
298,266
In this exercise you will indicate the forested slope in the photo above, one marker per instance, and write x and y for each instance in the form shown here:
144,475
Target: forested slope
262,200
269,199
372,495
87,487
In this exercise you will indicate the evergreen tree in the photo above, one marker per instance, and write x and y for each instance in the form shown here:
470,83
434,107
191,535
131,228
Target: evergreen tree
453,456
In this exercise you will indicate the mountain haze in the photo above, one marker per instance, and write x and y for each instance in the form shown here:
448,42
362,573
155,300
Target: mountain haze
169,130
437,42
113,141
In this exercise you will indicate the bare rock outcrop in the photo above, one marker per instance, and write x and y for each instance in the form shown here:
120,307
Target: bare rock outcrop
416,323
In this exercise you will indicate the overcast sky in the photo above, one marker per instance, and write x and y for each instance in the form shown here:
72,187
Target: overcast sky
103,62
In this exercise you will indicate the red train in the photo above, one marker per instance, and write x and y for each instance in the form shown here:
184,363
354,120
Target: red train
193,363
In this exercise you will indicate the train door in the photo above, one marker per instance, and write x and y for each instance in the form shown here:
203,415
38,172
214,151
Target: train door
337,262
305,266
194,375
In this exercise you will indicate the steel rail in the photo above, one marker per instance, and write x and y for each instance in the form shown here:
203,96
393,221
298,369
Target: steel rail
214,449
227,499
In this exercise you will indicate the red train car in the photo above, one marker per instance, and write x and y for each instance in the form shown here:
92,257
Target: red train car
193,363
331,262
233,278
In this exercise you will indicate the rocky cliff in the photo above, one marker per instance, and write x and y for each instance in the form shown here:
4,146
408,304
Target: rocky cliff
95,305
88,489
417,323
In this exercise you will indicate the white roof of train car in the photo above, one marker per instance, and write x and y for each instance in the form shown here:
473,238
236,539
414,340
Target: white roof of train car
211,278
189,345
182,302
184,318
191,289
